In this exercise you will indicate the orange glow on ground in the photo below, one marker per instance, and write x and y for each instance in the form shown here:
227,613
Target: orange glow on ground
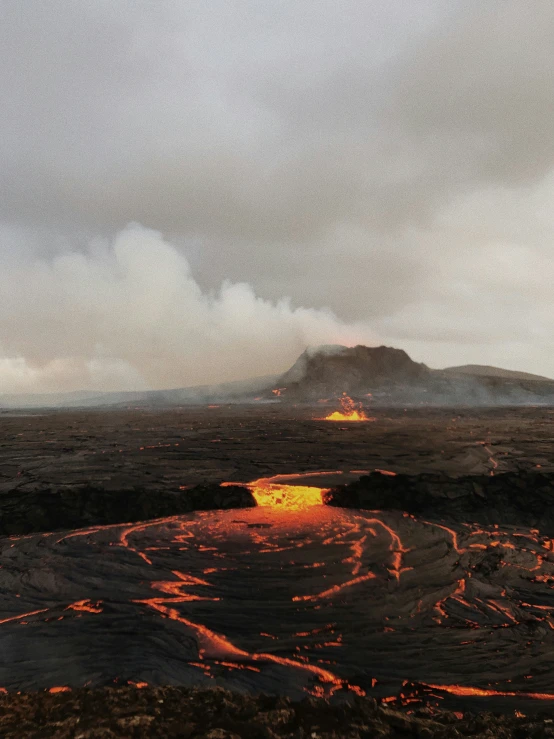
350,411
463,690
22,615
335,589
85,605
352,416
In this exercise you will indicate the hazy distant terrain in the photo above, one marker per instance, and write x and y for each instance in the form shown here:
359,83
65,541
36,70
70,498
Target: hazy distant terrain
380,375
224,392
388,376
482,370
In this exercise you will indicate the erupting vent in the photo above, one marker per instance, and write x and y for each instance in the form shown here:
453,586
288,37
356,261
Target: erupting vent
350,411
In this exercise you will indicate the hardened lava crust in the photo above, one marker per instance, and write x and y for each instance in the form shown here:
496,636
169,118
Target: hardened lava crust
192,548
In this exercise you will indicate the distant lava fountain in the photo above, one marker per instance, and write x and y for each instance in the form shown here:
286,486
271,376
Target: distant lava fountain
350,411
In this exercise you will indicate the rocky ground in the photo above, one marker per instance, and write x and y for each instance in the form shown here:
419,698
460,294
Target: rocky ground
471,601
80,468
52,509
511,498
218,714
164,450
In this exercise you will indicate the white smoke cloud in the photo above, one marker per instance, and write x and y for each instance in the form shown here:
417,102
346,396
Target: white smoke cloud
130,315
393,161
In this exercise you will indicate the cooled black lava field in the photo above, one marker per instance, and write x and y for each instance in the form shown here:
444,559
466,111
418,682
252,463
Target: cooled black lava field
290,597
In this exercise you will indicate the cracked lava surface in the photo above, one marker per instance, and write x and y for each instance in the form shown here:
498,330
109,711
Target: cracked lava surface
284,598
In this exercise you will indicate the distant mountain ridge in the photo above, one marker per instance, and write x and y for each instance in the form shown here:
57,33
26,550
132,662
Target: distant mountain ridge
483,370
391,377
386,374
333,370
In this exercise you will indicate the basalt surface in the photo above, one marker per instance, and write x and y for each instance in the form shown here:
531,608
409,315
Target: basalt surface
522,498
163,451
323,601
414,606
55,508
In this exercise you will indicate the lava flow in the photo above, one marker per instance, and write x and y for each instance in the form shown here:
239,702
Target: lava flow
280,492
350,411
289,597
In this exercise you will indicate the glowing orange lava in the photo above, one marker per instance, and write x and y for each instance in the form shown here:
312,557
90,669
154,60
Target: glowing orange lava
464,690
279,492
23,615
350,411
336,588
274,492
85,605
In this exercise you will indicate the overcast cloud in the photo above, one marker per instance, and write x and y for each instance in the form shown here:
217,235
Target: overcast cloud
297,172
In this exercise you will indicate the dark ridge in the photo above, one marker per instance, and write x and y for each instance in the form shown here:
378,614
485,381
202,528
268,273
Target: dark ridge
356,370
51,509
391,377
485,370
171,712
512,498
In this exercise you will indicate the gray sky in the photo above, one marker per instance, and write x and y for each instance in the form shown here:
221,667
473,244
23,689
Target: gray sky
296,172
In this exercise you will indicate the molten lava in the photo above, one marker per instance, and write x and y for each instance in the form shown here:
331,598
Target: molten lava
350,411
274,492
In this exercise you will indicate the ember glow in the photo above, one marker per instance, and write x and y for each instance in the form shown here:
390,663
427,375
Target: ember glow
350,411
464,690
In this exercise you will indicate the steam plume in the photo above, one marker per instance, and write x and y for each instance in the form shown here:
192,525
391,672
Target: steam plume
130,315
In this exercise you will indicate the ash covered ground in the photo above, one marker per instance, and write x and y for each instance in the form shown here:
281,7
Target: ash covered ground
428,606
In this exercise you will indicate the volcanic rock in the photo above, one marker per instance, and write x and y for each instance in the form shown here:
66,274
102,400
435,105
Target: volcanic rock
333,370
53,509
513,498
391,377
219,714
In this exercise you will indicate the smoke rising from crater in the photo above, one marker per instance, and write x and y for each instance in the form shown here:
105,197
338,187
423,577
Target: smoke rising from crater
130,315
